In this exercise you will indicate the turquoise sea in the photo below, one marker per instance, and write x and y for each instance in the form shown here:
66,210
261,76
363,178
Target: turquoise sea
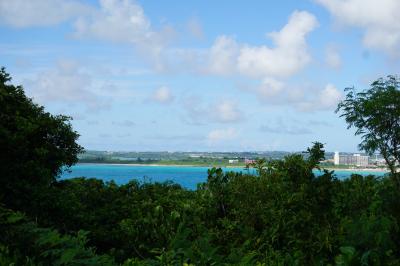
186,176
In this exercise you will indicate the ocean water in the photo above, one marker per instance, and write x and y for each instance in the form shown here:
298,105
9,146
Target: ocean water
186,176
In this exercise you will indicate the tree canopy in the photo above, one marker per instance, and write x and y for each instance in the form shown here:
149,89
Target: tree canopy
375,113
35,145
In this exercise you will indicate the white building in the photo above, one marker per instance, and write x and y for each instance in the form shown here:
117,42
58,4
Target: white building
336,159
355,159
233,161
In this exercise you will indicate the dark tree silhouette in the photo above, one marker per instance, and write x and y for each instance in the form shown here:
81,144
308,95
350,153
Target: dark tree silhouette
35,145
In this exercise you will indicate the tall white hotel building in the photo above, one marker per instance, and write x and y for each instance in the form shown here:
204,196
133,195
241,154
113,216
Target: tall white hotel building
355,159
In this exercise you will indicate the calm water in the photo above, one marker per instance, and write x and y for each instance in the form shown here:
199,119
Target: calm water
186,176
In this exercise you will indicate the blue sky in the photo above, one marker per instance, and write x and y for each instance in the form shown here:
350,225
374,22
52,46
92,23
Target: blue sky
200,75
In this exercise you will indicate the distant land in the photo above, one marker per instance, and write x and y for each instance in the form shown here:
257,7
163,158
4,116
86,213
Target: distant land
191,158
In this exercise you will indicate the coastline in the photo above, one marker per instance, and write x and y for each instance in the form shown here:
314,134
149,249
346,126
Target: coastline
379,170
169,165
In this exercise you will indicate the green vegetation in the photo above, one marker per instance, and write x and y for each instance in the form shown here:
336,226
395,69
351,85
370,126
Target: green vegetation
283,215
375,113
34,144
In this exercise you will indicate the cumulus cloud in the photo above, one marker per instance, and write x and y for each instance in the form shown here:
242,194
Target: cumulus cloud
289,55
121,21
124,21
221,135
378,19
66,83
329,97
71,84
223,56
117,21
162,95
21,13
270,88
302,97
226,112
326,99
277,92
271,65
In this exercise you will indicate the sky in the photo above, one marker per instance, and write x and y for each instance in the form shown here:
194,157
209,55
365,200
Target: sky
200,75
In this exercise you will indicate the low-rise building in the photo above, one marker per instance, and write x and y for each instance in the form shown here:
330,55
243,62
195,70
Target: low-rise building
249,161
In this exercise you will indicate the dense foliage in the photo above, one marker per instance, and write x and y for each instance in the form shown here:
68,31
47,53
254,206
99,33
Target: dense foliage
286,216
283,215
34,145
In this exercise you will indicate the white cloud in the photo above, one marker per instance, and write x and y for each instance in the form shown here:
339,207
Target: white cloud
274,91
270,88
223,56
22,13
162,95
124,21
329,97
117,20
221,135
326,99
63,83
302,97
66,83
226,112
226,56
332,57
378,18
289,55
272,65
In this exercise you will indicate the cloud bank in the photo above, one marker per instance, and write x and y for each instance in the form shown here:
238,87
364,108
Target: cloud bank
378,20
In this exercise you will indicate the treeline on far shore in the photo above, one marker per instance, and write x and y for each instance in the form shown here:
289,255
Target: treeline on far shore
210,162
189,162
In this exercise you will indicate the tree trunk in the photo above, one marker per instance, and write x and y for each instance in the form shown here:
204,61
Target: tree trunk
393,173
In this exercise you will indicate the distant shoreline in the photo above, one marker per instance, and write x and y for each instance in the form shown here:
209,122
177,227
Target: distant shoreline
380,170
169,165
